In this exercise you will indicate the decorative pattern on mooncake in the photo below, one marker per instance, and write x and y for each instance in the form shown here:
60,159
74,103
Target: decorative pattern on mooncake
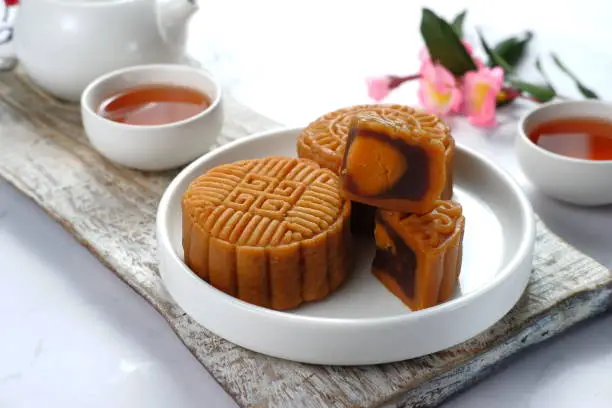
395,164
418,257
273,232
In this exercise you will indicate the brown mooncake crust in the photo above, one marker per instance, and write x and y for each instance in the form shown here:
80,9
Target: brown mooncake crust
395,165
274,232
418,257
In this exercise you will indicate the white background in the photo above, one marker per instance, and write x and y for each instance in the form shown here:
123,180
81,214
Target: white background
73,335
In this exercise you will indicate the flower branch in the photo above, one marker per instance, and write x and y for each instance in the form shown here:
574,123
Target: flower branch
453,80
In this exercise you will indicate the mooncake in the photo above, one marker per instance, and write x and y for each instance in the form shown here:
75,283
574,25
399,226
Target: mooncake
324,141
274,232
418,257
395,164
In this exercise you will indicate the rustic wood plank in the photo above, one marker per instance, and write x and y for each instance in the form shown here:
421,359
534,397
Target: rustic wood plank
111,210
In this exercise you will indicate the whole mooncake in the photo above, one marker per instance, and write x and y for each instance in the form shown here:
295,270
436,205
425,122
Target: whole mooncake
273,232
395,164
418,257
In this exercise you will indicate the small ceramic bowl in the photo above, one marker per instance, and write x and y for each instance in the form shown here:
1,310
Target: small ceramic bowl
152,147
576,181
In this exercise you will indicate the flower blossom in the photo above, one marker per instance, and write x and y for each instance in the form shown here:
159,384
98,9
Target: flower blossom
438,89
480,90
378,88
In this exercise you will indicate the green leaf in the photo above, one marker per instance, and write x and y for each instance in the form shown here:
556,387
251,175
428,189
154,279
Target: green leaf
538,65
586,92
494,58
457,23
512,49
539,92
444,45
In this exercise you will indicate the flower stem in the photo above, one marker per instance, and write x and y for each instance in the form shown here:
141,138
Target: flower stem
396,81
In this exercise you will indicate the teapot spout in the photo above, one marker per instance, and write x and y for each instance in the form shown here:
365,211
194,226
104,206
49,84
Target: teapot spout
172,17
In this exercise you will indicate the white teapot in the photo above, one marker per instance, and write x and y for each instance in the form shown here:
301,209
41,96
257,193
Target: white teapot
63,45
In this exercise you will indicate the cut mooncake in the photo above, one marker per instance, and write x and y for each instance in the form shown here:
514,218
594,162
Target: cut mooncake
418,257
324,141
274,232
395,164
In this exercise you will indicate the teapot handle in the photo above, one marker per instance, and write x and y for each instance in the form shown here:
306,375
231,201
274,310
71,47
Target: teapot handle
8,59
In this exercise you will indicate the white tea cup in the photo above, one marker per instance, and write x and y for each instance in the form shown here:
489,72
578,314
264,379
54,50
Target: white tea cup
152,147
573,180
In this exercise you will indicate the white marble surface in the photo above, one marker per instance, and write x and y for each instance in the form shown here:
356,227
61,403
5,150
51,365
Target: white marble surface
73,335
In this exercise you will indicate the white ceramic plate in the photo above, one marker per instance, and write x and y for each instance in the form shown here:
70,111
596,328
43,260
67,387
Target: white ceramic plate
363,323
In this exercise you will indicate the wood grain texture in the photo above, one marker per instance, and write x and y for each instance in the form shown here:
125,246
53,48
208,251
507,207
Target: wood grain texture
111,210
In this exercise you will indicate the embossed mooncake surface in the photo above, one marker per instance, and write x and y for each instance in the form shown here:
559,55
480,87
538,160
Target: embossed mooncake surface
418,257
396,164
273,232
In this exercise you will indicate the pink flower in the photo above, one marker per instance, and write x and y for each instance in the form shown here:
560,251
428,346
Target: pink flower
478,62
378,88
468,47
424,54
438,91
480,92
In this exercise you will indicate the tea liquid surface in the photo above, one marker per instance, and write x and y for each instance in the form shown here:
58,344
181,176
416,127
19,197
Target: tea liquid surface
154,105
580,138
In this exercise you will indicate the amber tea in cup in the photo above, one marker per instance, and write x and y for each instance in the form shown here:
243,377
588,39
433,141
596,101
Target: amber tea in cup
154,105
579,138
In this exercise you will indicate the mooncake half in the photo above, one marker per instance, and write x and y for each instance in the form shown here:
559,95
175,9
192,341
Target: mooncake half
274,232
396,164
324,141
418,257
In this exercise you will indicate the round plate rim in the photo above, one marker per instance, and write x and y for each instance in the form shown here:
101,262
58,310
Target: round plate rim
506,272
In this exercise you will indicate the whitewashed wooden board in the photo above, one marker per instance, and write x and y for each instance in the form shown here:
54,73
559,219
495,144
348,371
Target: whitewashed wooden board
111,210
